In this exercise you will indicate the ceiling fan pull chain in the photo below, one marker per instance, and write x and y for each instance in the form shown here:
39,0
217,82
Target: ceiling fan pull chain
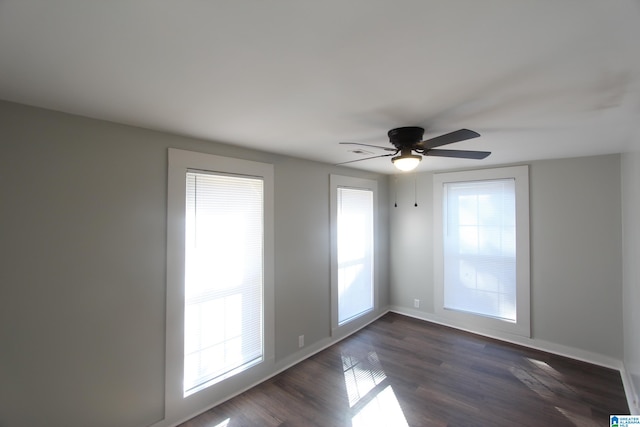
395,190
415,190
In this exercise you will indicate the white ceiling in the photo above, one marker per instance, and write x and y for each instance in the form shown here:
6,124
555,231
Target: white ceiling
538,79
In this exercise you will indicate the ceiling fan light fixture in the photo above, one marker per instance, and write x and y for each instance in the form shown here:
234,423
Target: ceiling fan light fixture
406,162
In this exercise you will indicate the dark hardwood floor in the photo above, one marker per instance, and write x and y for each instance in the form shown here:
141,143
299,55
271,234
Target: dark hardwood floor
400,371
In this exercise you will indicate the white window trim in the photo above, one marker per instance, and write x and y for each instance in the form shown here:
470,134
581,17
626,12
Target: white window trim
469,321
178,407
336,181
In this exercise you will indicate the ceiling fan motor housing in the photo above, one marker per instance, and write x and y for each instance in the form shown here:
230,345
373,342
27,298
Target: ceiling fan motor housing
405,137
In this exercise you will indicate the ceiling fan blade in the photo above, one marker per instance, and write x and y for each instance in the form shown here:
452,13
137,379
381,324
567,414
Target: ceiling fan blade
368,145
366,158
460,154
448,138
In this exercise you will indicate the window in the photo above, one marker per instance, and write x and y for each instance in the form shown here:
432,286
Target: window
223,277
482,249
353,201
219,275
355,252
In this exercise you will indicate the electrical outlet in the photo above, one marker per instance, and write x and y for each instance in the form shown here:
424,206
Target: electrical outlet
301,341
416,303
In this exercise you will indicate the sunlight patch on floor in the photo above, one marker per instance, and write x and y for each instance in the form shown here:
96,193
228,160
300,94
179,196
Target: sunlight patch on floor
361,375
371,399
547,383
383,410
577,419
548,369
225,423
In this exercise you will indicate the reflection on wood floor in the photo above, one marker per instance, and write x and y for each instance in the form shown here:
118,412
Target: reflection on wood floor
400,371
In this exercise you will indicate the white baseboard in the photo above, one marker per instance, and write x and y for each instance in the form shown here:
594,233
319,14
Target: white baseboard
630,392
317,347
549,347
279,367
561,350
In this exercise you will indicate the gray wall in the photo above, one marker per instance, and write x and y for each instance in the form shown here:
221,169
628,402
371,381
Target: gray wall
576,267
83,241
83,250
631,271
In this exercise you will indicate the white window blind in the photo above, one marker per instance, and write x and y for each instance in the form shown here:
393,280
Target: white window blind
479,239
355,252
224,233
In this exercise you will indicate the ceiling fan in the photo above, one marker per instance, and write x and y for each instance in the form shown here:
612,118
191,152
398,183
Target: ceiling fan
405,140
